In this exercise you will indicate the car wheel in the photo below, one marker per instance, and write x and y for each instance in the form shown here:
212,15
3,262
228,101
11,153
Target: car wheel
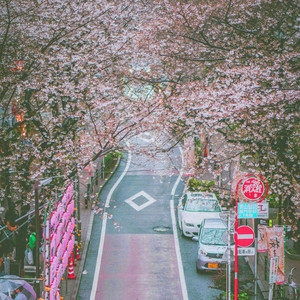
199,271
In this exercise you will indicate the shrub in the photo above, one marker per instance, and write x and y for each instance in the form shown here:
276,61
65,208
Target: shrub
195,185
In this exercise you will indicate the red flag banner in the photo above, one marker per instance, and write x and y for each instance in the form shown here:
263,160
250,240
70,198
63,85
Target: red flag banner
275,238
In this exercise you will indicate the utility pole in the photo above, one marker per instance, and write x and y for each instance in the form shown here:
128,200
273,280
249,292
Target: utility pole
229,257
228,217
37,231
255,258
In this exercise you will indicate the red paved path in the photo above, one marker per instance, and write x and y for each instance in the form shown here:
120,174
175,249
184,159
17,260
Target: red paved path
139,267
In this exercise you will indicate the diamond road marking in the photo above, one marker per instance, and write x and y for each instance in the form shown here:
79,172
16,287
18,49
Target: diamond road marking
150,139
140,207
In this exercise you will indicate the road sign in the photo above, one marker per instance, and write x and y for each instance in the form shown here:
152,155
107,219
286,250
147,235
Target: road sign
246,251
264,222
253,210
253,188
273,269
245,236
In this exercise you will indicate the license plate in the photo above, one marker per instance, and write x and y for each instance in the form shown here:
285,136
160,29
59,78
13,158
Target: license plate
212,266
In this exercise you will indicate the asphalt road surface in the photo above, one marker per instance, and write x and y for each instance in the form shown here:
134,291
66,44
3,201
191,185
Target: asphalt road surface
136,251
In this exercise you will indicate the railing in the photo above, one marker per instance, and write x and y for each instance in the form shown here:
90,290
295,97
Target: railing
8,235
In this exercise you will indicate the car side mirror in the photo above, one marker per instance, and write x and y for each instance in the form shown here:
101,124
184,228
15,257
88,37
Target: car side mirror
195,238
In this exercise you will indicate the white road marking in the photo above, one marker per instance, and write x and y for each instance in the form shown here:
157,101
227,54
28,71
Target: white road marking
140,207
177,248
101,244
148,140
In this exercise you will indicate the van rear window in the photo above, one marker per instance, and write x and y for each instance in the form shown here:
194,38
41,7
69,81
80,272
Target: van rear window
202,205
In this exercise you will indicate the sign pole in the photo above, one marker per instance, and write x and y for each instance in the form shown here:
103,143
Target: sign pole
229,259
273,274
255,259
236,244
271,292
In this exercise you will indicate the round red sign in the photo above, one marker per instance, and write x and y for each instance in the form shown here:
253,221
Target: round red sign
245,236
253,188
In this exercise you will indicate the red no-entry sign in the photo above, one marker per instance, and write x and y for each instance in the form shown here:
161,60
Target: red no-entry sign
245,236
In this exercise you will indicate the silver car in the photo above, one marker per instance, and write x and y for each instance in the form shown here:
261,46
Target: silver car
211,246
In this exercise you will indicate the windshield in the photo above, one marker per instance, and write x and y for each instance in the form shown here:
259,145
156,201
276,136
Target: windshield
197,205
212,236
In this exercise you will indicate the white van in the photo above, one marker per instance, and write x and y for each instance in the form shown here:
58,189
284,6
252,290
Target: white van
211,246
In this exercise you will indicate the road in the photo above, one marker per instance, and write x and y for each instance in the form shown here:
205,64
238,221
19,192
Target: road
136,251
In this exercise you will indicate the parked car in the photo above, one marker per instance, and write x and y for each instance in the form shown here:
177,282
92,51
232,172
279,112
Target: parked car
193,208
211,245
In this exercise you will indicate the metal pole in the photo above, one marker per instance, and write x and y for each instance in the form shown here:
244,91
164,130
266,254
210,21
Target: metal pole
255,260
78,198
229,259
236,259
226,281
255,269
271,292
236,244
103,166
37,231
78,209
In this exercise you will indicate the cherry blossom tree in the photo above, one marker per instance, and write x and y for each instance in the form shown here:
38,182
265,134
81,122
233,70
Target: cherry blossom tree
230,68
222,69
63,100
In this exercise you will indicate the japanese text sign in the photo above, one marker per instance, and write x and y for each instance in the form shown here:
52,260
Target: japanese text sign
253,210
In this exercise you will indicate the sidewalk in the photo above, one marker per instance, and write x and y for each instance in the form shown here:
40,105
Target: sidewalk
69,286
262,282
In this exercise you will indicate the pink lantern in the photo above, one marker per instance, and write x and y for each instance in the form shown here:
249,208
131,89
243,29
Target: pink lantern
65,259
51,294
53,219
60,210
64,200
47,253
47,229
52,246
47,276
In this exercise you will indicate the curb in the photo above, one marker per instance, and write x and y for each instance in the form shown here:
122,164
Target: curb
108,178
89,231
292,256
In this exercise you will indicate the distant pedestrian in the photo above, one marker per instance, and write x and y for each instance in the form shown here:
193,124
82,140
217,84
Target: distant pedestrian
21,239
10,218
10,222
17,295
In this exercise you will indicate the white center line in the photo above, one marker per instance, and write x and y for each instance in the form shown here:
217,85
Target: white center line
177,248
